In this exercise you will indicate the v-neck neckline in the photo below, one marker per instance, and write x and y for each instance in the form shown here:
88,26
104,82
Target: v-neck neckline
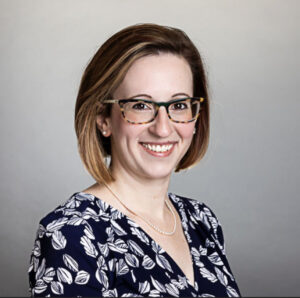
168,256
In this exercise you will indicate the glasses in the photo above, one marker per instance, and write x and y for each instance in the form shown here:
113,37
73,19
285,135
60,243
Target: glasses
142,111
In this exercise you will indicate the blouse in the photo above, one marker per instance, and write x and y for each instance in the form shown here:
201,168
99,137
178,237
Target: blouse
86,247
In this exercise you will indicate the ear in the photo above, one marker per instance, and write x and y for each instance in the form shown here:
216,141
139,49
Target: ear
104,125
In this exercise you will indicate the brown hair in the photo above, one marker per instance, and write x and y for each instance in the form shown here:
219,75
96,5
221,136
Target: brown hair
106,71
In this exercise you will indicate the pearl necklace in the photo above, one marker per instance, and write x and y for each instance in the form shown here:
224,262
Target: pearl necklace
144,219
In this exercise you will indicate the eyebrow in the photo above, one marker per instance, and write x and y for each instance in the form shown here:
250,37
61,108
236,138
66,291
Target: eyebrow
150,97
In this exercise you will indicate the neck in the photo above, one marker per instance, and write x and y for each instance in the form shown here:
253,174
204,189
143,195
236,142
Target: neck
143,196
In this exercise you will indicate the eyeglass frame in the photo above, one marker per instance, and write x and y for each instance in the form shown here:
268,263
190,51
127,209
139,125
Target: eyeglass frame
157,105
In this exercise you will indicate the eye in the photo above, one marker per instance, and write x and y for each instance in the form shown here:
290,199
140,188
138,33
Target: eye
141,106
180,106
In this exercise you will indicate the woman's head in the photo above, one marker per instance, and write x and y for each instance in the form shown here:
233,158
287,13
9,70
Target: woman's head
105,73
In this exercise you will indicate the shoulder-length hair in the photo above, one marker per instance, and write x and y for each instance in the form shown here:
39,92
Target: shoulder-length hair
105,72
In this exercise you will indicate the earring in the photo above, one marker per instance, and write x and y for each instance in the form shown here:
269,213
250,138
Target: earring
104,132
194,131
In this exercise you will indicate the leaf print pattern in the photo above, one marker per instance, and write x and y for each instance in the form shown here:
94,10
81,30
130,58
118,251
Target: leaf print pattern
89,247
58,240
82,277
70,262
86,247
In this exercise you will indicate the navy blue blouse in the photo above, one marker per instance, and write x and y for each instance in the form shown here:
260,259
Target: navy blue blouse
86,247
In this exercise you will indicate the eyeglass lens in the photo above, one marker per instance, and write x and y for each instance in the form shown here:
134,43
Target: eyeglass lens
140,111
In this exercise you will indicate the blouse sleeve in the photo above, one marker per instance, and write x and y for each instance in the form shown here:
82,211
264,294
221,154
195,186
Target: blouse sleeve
64,262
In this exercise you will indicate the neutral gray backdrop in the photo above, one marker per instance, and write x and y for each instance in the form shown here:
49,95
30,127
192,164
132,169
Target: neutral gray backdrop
250,175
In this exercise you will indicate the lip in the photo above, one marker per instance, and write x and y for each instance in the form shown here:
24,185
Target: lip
158,154
159,143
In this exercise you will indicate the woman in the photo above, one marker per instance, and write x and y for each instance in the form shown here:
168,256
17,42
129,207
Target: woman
142,112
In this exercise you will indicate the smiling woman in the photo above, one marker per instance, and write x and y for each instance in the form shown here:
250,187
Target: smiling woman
143,104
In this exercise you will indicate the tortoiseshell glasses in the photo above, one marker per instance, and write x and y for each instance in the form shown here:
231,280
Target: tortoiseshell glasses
142,111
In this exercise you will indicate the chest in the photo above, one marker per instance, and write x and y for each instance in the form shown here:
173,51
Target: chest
176,247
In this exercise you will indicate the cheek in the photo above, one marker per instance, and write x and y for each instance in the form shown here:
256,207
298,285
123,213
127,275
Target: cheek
186,131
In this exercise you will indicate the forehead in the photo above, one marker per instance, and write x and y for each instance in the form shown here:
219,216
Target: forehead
158,76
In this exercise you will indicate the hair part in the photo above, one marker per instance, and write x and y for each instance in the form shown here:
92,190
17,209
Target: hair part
106,71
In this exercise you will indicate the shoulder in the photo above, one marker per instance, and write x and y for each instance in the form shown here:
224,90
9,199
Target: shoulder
200,217
197,209
80,213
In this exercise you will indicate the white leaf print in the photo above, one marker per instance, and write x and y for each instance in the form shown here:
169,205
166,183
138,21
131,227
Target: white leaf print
228,273
56,224
58,240
214,222
41,231
231,292
90,213
221,276
118,246
49,274
71,203
207,211
37,248
181,284
75,221
57,287
89,247
41,270
35,264
117,228
40,287
203,251
163,262
110,293
207,295
183,280
121,267
89,232
103,249
154,293
82,277
215,259
203,218
135,248
140,234
112,264
110,233
132,223
209,275
172,290
84,196
70,262
101,263
102,277
144,287
133,276
148,263
131,260
102,205
157,249
64,275
209,243
158,285
195,252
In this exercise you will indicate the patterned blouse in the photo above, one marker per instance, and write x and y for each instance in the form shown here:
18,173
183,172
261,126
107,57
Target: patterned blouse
86,247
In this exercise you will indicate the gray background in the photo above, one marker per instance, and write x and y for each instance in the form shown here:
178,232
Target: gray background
250,175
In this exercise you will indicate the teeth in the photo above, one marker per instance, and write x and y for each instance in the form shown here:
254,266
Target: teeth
158,148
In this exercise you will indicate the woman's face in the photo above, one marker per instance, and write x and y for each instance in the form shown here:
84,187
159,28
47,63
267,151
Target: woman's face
161,77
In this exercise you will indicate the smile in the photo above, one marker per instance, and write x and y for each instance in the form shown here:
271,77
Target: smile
158,148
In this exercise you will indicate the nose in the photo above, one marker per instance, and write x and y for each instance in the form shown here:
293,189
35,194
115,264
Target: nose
162,125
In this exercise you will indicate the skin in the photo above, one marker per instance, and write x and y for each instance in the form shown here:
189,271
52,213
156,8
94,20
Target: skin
142,179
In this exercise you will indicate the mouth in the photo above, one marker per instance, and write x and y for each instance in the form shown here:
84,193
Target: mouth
159,149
